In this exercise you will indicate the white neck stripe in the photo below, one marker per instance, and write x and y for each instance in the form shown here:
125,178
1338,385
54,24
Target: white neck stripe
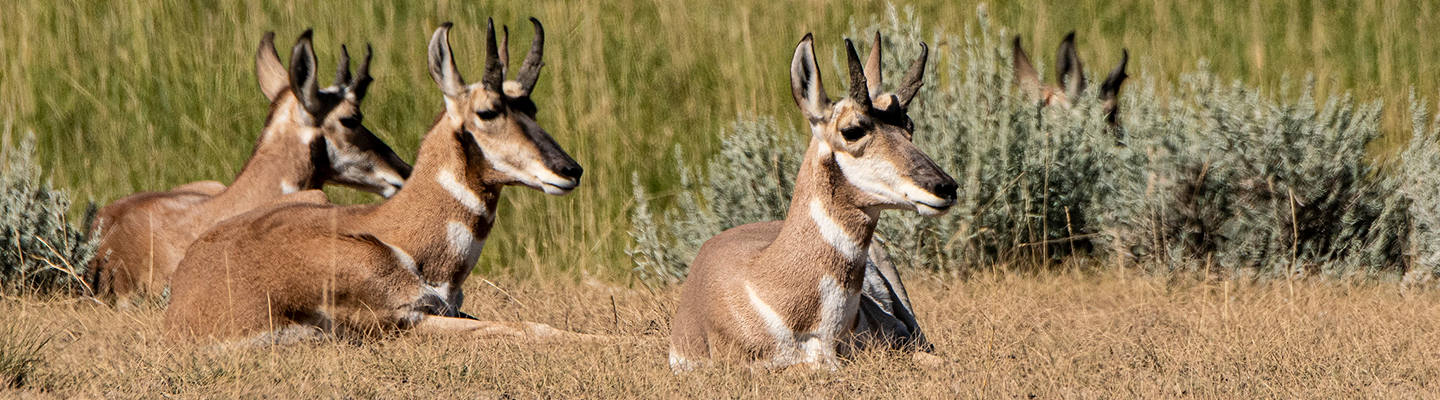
834,233
460,192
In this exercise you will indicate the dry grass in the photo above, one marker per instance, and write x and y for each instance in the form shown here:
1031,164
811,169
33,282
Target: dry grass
1004,335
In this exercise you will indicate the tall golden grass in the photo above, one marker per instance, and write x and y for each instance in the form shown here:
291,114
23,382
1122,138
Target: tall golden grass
1000,335
147,94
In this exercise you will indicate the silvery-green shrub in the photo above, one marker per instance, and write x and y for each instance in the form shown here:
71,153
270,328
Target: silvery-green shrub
1200,175
41,251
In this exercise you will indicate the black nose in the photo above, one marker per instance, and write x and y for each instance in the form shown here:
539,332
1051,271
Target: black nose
945,189
572,171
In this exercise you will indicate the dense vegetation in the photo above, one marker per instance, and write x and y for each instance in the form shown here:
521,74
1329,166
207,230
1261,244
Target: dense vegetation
1211,177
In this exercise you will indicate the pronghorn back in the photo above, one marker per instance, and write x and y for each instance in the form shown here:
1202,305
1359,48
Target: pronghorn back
312,135
788,292
306,270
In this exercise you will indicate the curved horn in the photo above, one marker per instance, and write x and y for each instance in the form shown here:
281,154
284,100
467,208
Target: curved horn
362,79
442,64
859,90
302,74
914,78
494,69
530,70
873,75
342,73
1111,87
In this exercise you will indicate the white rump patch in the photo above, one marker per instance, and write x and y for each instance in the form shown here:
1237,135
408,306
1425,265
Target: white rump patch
287,188
460,192
463,243
834,233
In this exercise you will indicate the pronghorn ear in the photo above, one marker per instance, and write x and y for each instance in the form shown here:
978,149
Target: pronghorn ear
302,74
914,78
1068,70
873,75
1025,75
342,72
494,78
805,82
442,64
268,71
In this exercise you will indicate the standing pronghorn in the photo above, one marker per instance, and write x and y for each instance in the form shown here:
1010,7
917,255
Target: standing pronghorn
302,269
788,292
312,136
1070,76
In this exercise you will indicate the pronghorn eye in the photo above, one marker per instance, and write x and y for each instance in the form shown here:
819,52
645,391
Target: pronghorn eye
352,121
487,114
853,134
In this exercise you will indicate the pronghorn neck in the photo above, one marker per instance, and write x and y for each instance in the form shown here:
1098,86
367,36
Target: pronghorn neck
284,161
445,212
823,215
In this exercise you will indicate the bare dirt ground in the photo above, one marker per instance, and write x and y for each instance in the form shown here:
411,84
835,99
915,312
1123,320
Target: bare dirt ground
1002,335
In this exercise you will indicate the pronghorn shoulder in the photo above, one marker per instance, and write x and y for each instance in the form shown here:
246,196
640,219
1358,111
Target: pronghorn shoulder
737,245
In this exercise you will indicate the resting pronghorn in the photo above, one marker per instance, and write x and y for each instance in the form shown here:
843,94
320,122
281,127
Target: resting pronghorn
787,292
1070,76
311,136
298,269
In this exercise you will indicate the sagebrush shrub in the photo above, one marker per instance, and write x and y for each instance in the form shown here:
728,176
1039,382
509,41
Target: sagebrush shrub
41,250
1199,176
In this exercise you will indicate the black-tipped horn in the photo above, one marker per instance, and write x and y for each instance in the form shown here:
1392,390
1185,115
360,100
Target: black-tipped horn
859,89
530,70
1111,87
494,70
342,72
914,78
362,79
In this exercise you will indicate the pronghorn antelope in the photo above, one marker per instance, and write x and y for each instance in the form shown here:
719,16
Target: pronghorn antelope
1070,76
312,135
787,292
301,270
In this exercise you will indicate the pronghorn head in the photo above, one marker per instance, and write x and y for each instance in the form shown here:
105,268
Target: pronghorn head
868,133
354,156
500,117
1070,75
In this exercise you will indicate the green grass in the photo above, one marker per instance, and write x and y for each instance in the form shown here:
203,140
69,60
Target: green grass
147,94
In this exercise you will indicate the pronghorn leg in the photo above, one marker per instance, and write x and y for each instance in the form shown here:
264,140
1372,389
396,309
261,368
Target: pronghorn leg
525,331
